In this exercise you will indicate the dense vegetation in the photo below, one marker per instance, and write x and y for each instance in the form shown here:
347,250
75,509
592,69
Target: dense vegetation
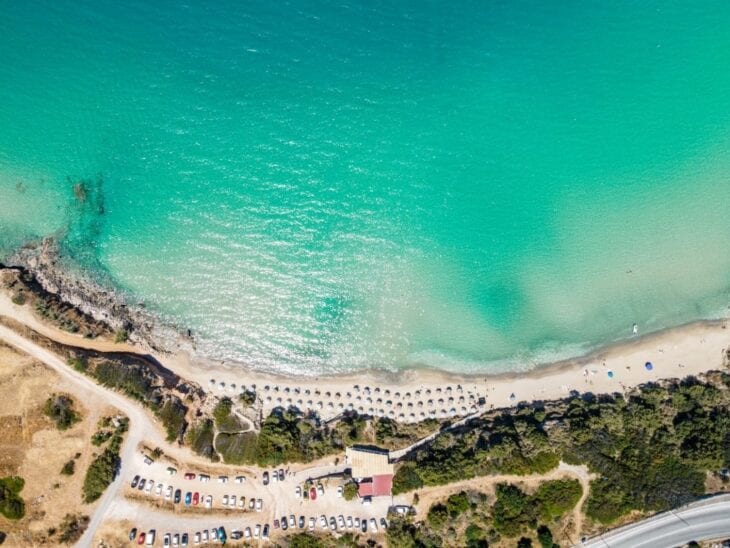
72,528
60,409
11,503
468,519
650,450
105,465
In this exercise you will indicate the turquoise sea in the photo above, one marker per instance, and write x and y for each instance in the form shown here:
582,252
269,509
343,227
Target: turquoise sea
325,186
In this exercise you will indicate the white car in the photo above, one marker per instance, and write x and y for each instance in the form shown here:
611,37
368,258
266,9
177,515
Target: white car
323,521
225,500
339,491
232,501
176,539
311,524
341,521
166,540
222,479
251,504
274,477
168,493
171,471
205,535
240,479
208,503
242,503
204,478
158,490
373,525
349,522
257,531
149,486
298,492
259,505
320,490
196,537
357,523
247,532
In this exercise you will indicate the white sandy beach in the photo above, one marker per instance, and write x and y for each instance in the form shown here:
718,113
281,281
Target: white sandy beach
416,394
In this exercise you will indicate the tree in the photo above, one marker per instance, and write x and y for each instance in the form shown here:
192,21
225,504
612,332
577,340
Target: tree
11,503
349,492
545,537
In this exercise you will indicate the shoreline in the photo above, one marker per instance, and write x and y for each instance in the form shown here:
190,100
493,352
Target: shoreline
416,394
410,394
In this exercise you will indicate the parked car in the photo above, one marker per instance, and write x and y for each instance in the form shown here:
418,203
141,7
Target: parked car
168,493
364,525
214,534
188,498
204,478
132,533
301,522
222,479
311,524
204,535
240,479
281,474
349,522
158,490
313,493
265,532
196,537
259,505
320,489
140,538
135,481
383,523
166,539
171,471
357,523
276,523
339,491
222,534
150,538
257,531
184,539
235,534
178,495
149,486
373,525
284,524
196,498
323,521
333,524
298,492
232,501
251,504
176,539
189,476
247,533
341,521
274,477
265,479
225,500
242,503
141,484
209,501
292,520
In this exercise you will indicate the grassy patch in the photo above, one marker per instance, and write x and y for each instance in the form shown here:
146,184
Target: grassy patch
200,437
237,448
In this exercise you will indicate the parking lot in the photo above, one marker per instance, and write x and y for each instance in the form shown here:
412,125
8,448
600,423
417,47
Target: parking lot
246,506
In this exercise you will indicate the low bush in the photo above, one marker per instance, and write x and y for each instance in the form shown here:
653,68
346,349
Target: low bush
59,408
11,503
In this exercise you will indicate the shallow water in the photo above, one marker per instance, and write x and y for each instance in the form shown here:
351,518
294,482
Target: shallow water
324,187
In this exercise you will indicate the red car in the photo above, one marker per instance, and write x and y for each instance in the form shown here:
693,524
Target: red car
196,499
313,494
140,538
189,475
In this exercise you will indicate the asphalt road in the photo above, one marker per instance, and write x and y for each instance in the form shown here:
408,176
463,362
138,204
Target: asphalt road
704,520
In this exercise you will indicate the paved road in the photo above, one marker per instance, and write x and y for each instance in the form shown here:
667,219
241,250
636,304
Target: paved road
140,426
704,520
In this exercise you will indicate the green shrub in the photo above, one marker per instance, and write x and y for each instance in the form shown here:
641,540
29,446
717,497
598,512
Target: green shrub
200,437
59,408
237,448
545,537
349,492
437,516
11,503
557,497
121,336
172,414
100,473
457,504
406,479
78,364
19,298
73,528
69,468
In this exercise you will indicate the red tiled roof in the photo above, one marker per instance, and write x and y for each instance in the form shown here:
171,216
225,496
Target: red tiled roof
377,486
